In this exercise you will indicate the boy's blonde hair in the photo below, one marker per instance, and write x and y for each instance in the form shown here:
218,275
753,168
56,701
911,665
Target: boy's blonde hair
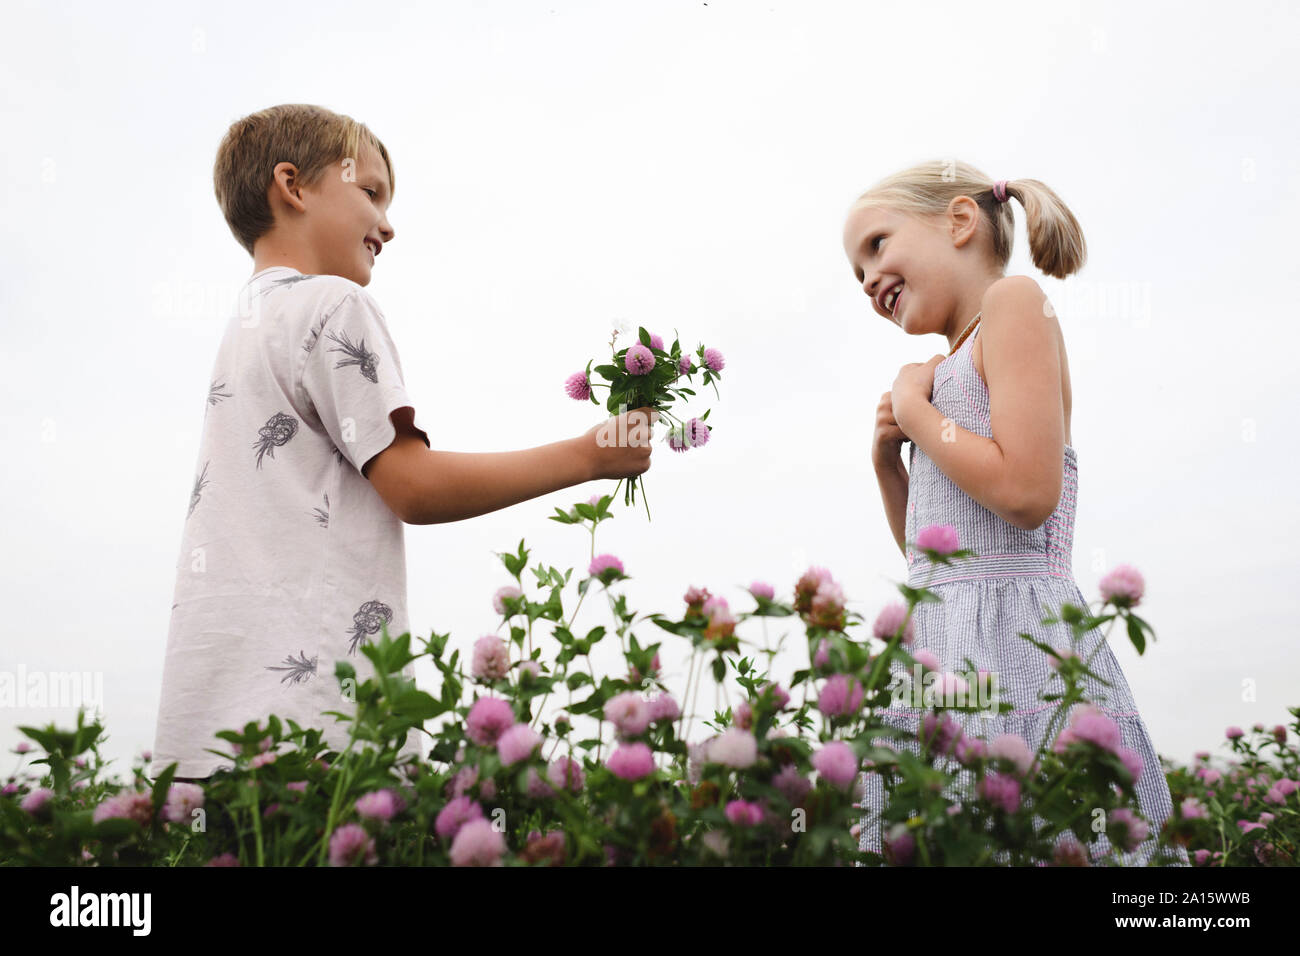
311,137
1056,242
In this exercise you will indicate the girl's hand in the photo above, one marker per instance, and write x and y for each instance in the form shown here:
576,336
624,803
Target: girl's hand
915,383
887,442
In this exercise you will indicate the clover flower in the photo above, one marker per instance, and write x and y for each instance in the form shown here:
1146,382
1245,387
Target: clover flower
639,360
836,764
606,568
578,386
491,658
890,619
478,844
489,718
380,805
840,697
517,743
628,712
565,773
350,844
631,761
1122,587
459,811
182,799
733,748
509,592
939,538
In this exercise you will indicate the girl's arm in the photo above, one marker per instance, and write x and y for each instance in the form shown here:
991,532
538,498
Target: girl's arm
893,480
1017,474
974,463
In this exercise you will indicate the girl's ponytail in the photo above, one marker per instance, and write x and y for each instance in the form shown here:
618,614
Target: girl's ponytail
1056,242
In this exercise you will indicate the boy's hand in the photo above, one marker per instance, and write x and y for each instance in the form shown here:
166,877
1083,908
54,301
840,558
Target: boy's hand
620,446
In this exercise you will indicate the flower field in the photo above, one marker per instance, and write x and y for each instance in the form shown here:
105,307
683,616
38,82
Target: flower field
626,773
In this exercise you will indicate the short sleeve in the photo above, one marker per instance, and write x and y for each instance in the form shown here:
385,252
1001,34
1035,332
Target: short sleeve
353,378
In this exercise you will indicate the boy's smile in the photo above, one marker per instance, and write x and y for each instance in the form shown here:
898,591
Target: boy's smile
372,185
336,226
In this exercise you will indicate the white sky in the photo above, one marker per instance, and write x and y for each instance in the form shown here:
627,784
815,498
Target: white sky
564,166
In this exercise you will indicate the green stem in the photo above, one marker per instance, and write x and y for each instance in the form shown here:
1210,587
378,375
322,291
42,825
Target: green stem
568,627
342,779
686,696
1071,696
257,825
695,702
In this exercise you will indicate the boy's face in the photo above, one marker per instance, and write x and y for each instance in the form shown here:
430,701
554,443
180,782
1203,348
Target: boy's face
346,217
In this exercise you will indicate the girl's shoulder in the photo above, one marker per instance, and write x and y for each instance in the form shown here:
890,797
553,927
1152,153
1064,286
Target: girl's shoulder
1024,294
1014,288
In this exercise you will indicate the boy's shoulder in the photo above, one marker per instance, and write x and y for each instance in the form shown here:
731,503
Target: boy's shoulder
327,290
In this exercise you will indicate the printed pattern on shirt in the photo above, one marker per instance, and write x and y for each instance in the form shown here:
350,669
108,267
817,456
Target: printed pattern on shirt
277,431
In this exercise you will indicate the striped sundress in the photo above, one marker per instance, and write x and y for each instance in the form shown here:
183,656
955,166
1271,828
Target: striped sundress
1017,579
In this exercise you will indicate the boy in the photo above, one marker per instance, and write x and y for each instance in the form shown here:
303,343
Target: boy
312,456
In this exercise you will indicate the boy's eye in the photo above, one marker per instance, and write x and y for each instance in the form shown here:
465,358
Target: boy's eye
875,243
372,193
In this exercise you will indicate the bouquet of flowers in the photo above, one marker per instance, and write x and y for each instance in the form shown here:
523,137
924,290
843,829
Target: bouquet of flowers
645,374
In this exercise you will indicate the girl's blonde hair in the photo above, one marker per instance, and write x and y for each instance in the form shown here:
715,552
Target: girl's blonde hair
1056,242
311,137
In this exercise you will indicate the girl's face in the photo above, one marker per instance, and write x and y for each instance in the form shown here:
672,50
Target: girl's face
906,267
898,262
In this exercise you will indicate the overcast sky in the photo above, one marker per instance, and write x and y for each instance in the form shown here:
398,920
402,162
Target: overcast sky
562,167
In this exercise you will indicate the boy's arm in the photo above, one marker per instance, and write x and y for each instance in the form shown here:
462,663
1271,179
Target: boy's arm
423,486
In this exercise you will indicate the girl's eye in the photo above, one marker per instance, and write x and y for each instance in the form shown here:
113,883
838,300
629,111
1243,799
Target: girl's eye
875,243
372,193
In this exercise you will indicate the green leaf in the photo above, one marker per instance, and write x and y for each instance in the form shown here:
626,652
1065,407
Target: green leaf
115,828
416,704
1135,635
562,517
644,336
161,786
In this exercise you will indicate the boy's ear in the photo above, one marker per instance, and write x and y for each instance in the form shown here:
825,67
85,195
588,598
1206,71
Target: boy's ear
286,184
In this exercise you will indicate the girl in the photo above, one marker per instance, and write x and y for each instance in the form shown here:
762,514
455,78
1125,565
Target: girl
929,245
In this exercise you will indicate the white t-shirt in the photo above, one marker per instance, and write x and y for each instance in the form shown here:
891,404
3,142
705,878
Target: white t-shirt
289,559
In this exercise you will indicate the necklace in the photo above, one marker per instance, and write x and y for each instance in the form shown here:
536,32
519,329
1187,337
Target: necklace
962,338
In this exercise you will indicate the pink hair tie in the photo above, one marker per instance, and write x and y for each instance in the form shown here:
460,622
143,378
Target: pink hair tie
1000,190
